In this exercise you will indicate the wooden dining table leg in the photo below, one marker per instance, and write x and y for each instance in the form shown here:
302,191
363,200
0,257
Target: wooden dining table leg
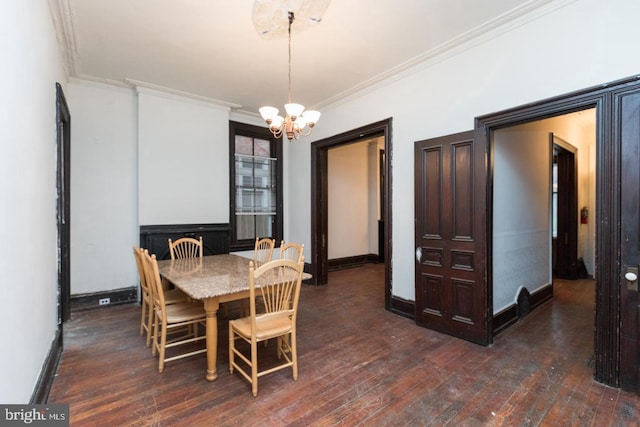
211,306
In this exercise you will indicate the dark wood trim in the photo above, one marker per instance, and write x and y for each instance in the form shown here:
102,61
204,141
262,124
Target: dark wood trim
63,201
607,317
319,194
541,296
352,261
626,142
509,316
116,296
215,237
403,307
40,394
504,319
566,255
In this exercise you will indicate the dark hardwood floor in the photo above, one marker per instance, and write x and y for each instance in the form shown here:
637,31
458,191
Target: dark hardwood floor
359,365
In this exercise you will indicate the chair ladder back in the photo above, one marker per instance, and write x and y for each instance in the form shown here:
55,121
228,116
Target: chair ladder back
137,253
293,251
263,251
154,281
278,285
185,247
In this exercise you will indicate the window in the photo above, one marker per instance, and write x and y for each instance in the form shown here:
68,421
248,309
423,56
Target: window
256,185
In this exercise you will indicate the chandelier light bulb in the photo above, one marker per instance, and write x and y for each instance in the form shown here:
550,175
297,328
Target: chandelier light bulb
268,113
311,116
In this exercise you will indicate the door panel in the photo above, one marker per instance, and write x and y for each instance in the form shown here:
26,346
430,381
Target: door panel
450,202
629,132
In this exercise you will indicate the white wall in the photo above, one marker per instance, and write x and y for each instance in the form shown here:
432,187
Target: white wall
183,163
567,46
104,198
139,157
353,206
28,311
521,213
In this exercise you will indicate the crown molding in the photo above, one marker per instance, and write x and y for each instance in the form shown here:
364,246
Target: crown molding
62,14
145,87
501,24
248,117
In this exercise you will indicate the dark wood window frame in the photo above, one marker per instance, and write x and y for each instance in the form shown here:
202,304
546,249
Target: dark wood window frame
243,129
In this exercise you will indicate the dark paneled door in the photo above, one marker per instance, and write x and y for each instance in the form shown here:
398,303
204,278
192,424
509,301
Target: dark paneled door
628,118
450,236
567,215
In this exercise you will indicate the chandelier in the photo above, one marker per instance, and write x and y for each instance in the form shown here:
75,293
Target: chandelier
297,121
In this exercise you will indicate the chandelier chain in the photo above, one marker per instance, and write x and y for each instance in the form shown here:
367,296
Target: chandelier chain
291,16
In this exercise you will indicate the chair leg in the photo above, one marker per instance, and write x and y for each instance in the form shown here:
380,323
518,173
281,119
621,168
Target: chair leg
231,348
254,368
143,317
150,324
294,355
154,346
163,346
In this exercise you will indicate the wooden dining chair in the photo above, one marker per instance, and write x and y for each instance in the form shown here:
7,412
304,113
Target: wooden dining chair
185,247
172,296
182,318
278,284
263,251
293,251
146,300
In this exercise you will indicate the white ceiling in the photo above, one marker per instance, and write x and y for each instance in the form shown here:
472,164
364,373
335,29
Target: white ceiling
210,48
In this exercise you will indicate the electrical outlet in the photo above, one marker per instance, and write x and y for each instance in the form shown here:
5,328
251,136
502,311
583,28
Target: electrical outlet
104,301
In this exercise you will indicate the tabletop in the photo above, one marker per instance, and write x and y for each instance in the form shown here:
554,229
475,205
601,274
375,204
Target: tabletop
209,276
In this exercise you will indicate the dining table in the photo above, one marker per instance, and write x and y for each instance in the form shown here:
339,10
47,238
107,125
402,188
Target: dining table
212,279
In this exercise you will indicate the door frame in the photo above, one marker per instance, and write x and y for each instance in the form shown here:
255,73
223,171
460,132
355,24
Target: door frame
607,272
319,199
567,210
63,208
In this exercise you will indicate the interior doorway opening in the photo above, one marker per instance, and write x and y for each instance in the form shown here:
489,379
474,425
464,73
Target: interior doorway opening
320,196
355,219
542,171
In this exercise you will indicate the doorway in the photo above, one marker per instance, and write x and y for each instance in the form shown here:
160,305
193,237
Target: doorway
617,108
617,155
319,199
565,208
63,166
534,225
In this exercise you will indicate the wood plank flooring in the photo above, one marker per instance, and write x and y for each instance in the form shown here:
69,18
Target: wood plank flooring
359,365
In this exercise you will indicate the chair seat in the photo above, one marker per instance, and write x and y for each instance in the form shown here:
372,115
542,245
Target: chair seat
266,327
184,312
